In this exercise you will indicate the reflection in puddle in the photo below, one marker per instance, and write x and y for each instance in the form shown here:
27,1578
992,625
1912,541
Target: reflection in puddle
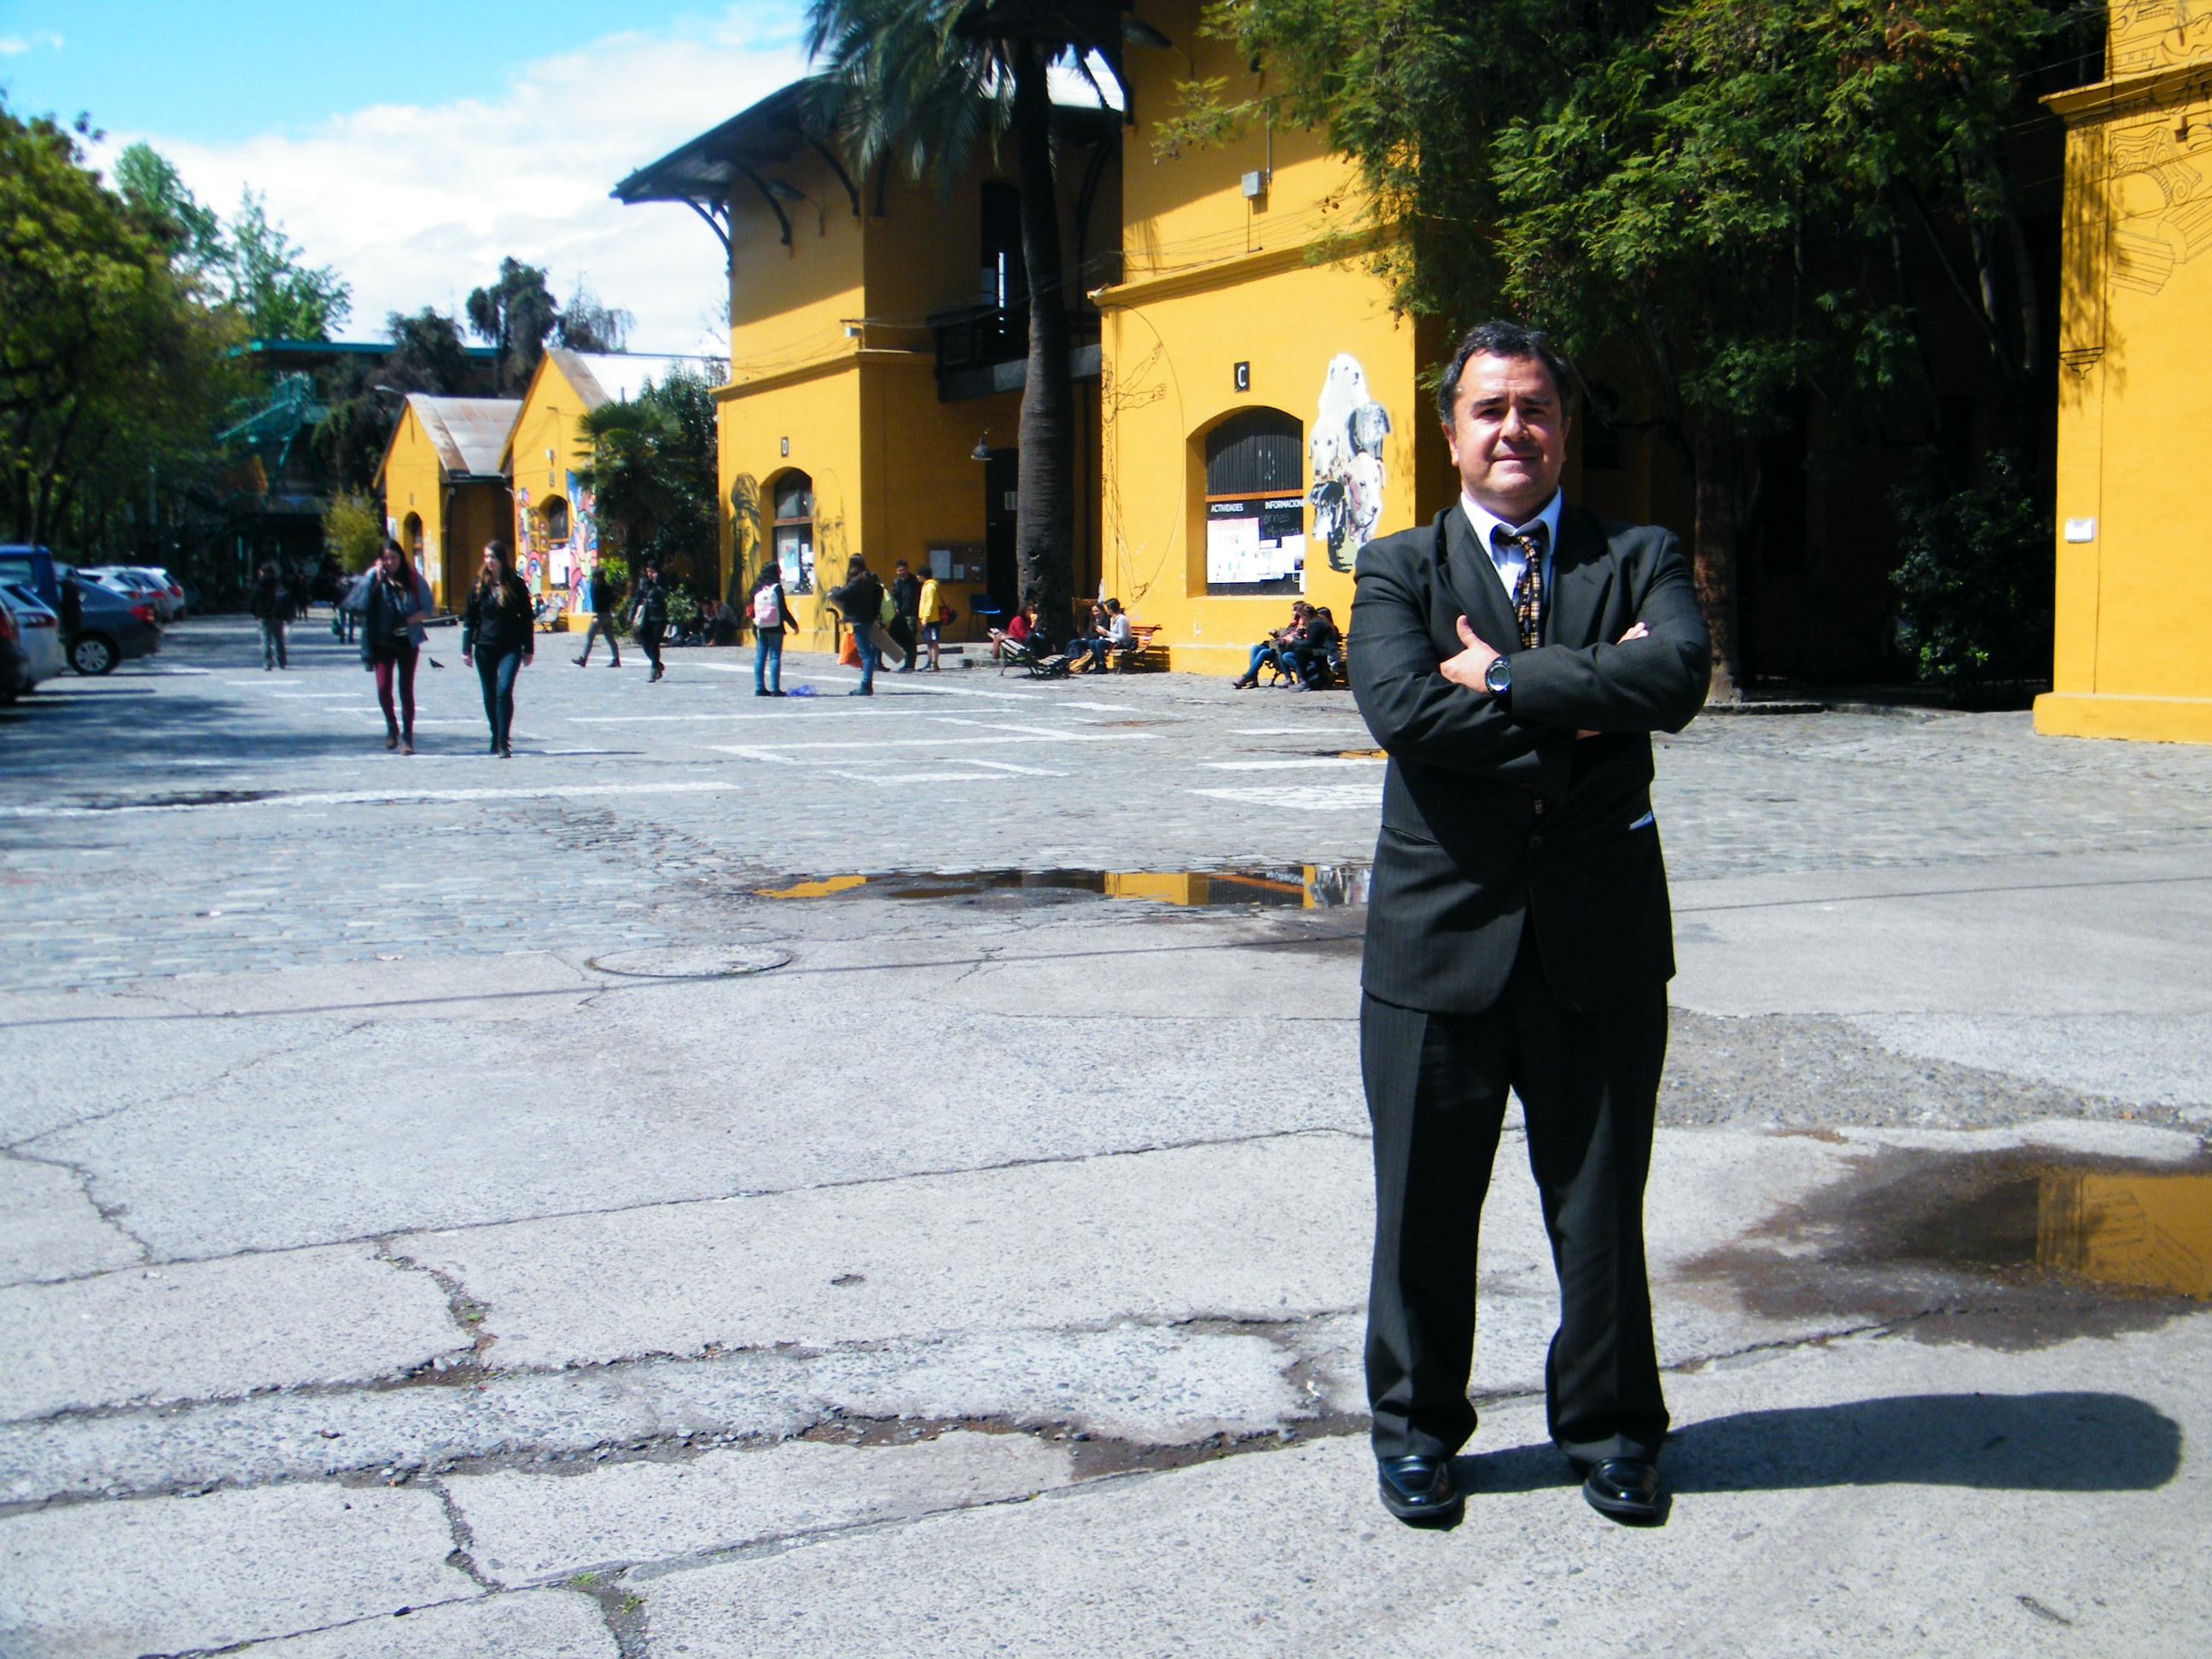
2016,1248
1293,886
2152,1232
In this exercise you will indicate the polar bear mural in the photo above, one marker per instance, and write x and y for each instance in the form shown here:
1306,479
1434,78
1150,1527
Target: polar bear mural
1346,453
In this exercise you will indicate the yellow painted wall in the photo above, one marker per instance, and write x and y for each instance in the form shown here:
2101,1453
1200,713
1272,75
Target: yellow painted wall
413,481
2135,387
457,521
1169,360
1185,208
552,411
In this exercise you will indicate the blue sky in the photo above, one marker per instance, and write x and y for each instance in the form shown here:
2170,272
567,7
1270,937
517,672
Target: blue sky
410,146
223,72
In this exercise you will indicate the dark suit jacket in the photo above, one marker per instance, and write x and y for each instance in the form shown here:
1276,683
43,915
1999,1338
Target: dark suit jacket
1495,815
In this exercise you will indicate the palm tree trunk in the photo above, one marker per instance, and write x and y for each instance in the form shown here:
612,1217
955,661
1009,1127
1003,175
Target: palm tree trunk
1044,512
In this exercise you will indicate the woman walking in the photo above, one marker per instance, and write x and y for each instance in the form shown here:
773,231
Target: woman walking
393,601
499,635
771,616
649,615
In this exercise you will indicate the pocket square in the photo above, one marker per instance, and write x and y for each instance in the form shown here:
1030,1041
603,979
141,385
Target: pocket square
1644,823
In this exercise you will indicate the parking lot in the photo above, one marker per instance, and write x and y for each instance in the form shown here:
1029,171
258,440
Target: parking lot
828,1176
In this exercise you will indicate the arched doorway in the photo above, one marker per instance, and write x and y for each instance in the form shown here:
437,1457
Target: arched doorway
1254,538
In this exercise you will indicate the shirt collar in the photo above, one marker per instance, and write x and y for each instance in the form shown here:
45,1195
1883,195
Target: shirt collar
1481,520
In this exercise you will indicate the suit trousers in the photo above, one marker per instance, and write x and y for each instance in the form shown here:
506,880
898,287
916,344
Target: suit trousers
1588,1085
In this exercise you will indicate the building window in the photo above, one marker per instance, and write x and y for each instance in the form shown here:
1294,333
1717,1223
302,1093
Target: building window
1255,504
412,534
556,519
791,535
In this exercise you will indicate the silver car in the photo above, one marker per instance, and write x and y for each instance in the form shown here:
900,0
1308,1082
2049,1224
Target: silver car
38,635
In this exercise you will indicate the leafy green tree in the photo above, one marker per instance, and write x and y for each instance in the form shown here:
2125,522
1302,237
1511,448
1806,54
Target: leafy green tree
514,314
147,181
1721,192
111,369
925,83
586,324
279,298
353,530
651,477
1974,586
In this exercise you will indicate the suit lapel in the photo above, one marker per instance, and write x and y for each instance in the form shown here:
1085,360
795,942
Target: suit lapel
1581,574
1475,584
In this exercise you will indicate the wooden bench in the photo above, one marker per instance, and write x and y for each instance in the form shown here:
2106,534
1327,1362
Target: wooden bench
1141,655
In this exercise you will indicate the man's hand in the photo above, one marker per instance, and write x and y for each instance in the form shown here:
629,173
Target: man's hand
467,661
1468,667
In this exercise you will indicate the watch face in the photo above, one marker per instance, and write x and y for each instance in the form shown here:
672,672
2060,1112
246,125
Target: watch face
1498,675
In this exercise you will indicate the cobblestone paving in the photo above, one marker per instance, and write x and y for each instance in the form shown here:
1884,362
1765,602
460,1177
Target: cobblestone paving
195,815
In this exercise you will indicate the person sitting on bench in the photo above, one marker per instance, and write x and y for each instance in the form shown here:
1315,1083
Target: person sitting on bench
1271,649
1113,636
1313,659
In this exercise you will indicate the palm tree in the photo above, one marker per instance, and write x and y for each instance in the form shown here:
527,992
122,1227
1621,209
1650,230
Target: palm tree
921,84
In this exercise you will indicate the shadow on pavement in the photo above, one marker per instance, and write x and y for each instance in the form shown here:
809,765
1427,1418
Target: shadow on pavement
2056,1441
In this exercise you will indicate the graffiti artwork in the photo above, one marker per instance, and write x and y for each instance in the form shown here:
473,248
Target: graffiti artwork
1346,452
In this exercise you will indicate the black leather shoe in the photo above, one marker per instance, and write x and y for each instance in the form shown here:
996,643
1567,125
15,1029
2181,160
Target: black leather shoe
1626,1489
1420,1491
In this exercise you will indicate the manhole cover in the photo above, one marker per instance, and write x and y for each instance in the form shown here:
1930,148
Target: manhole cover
689,961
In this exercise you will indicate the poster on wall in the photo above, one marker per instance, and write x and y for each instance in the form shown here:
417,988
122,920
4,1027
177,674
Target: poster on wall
1257,544
1346,453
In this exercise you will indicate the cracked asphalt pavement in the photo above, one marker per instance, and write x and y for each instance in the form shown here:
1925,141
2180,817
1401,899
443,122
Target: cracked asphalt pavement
826,1176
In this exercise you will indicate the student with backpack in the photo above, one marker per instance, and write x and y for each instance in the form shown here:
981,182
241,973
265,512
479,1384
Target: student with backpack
771,616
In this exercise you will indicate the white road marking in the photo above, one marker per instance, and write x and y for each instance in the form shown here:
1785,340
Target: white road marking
1021,734
1319,797
1315,732
385,797
1310,763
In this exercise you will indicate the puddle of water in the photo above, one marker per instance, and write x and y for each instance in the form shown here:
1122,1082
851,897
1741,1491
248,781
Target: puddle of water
2032,1248
1295,886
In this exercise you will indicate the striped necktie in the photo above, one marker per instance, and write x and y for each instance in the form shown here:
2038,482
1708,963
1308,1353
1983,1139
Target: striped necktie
1528,592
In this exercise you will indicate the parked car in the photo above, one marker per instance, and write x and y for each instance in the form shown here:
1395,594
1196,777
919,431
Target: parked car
15,667
26,562
38,634
135,584
171,590
107,628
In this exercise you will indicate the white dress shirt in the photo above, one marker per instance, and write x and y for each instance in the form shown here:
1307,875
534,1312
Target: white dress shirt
1510,561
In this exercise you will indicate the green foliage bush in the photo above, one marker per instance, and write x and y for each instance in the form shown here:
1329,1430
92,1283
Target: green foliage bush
352,531
1974,586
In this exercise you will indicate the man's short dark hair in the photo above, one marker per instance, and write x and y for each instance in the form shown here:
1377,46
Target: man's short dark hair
1499,338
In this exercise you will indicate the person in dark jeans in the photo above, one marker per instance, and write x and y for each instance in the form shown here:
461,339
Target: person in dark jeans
601,593
499,633
906,606
272,606
393,600
859,597
1313,659
649,610
771,615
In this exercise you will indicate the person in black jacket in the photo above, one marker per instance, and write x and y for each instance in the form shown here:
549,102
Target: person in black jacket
771,616
1313,658
1514,658
906,603
272,606
499,635
859,597
649,611
604,597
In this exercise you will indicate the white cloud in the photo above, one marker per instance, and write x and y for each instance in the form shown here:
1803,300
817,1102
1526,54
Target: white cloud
14,45
416,205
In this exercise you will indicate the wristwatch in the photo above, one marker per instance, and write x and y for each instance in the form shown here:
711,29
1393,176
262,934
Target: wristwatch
1498,679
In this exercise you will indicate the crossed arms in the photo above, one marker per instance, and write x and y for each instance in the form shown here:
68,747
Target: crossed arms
1435,710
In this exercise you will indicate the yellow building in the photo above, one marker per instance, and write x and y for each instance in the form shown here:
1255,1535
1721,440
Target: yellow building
2135,385
444,483
877,342
555,534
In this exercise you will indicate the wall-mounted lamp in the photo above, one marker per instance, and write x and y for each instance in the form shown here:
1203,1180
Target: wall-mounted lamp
981,451
783,446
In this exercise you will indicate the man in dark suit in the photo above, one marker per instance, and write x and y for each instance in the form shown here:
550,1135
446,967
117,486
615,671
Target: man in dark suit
1514,656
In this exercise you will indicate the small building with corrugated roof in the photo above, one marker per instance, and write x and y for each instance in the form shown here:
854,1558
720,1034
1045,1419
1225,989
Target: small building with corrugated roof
554,522
444,481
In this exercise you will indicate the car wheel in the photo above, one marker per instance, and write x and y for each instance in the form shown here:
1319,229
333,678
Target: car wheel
92,653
